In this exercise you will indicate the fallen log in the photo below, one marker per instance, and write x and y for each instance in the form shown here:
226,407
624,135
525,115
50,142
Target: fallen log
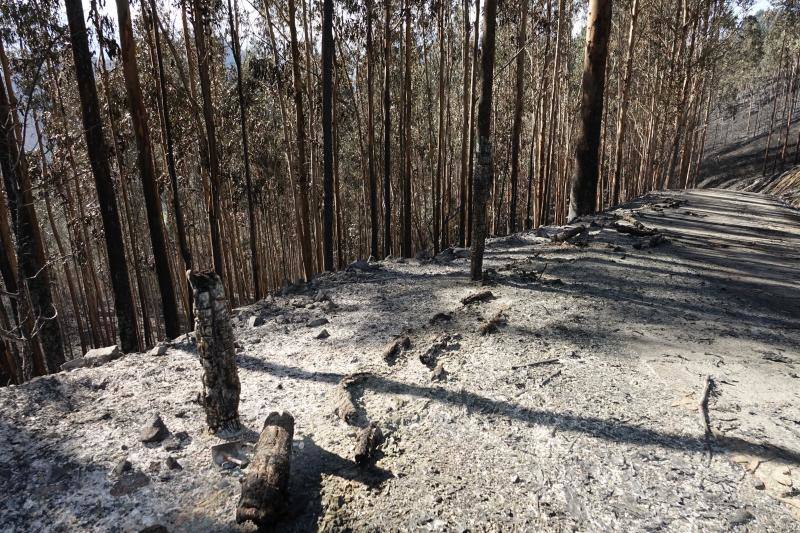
634,228
567,234
216,350
482,296
367,442
265,488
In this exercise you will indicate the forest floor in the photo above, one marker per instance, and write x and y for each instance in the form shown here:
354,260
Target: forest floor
579,412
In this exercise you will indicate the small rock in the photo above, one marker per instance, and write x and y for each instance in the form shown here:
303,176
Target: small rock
182,435
94,357
758,484
128,483
740,517
154,467
156,528
321,296
173,463
159,350
515,479
154,430
439,373
316,322
322,334
171,444
395,347
122,467
255,321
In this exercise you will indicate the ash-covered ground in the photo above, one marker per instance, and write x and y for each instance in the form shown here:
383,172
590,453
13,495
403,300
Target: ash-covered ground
576,409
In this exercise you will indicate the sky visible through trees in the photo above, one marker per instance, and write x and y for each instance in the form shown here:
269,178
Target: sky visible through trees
231,135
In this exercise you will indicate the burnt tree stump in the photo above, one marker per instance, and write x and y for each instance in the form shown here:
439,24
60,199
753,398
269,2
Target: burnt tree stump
265,488
215,347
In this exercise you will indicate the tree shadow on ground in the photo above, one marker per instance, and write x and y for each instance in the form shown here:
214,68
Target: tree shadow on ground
609,430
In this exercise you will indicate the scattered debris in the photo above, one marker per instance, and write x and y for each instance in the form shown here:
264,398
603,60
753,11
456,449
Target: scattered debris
568,233
478,297
367,441
255,321
173,463
438,318
128,483
395,348
634,227
493,324
439,373
537,363
344,405
234,452
708,389
550,378
159,349
439,345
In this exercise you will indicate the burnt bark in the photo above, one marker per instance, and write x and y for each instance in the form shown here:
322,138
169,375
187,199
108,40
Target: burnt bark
147,169
483,176
265,489
98,157
215,347
583,191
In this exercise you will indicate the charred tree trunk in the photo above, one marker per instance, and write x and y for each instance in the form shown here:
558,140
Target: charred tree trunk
483,165
583,195
215,347
98,157
301,176
516,128
203,56
373,179
405,240
146,169
465,130
39,318
253,234
387,132
327,135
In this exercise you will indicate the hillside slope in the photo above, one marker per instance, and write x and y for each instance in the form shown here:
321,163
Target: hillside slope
579,412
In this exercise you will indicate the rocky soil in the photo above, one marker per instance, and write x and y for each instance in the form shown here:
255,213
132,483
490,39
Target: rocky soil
568,399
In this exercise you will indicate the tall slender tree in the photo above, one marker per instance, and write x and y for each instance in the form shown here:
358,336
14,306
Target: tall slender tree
199,21
301,176
516,128
374,224
387,130
484,171
327,135
583,197
236,48
98,158
147,172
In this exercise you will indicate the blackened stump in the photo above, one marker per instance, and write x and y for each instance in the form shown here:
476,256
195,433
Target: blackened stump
215,347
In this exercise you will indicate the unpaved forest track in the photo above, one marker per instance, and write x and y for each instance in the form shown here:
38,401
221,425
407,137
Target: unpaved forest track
604,435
